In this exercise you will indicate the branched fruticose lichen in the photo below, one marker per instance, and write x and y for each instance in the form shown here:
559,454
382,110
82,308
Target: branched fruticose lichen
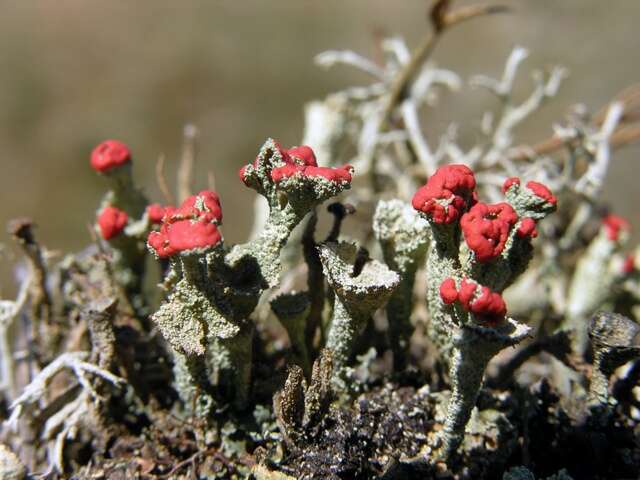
316,405
206,316
477,250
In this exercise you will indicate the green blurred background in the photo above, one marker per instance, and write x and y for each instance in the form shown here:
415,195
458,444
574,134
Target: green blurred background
74,72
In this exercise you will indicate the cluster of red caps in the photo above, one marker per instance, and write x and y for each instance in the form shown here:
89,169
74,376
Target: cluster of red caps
302,161
192,227
449,196
487,305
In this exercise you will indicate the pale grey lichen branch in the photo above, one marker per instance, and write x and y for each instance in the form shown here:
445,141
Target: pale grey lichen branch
63,425
422,87
592,283
325,127
79,405
184,176
397,51
431,76
503,87
11,468
416,136
512,115
9,311
332,57
363,114
591,182
36,391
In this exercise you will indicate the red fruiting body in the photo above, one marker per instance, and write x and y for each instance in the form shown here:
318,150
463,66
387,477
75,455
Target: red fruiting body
527,228
613,225
467,292
488,306
295,156
159,242
184,236
540,190
192,226
337,175
112,221
241,173
169,212
156,212
509,182
629,264
108,155
284,153
304,154
447,194
205,205
448,292
486,229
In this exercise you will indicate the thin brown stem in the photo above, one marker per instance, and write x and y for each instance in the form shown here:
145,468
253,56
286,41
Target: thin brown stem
339,212
442,19
315,280
623,136
162,181
627,131
45,333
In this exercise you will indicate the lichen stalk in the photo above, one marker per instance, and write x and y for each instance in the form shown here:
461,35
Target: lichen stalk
266,248
124,193
345,329
192,383
592,282
442,263
99,317
232,361
360,287
472,348
124,205
293,310
466,373
403,236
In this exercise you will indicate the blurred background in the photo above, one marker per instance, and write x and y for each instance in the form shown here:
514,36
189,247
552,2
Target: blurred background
75,72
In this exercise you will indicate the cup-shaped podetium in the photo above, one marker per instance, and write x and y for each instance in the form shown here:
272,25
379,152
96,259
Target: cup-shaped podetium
361,286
